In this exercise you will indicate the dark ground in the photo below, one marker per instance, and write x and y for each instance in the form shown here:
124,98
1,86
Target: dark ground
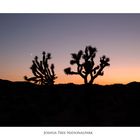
26,104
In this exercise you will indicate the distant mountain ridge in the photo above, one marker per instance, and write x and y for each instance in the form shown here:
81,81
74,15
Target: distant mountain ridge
2,81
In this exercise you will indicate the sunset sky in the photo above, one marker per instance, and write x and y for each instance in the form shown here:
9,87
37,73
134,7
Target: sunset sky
23,36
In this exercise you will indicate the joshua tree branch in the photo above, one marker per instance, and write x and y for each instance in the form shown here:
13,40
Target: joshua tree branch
87,67
43,73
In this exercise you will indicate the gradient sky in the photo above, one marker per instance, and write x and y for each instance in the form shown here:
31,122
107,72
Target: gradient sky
23,36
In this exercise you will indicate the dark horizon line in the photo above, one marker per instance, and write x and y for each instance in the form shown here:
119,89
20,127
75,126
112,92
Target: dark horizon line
72,83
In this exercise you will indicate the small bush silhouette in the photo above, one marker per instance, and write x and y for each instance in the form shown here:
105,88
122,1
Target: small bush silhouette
43,74
87,67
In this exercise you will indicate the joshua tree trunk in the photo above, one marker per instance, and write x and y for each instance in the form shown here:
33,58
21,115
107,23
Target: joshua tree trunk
85,80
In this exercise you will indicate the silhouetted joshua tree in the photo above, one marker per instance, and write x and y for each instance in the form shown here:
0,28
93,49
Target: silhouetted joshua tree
43,74
87,68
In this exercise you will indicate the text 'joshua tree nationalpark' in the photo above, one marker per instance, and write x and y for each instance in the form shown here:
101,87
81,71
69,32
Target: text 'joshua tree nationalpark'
86,66
43,73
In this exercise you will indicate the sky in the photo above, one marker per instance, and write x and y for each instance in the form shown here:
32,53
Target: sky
23,36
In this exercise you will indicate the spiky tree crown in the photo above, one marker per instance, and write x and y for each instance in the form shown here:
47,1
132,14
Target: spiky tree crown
87,67
43,73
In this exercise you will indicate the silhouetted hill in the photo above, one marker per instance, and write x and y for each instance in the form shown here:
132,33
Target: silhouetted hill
27,104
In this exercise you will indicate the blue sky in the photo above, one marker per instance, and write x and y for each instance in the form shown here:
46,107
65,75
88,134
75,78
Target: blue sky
22,36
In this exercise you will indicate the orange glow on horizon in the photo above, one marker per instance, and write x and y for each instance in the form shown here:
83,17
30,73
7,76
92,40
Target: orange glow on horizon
112,75
101,80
